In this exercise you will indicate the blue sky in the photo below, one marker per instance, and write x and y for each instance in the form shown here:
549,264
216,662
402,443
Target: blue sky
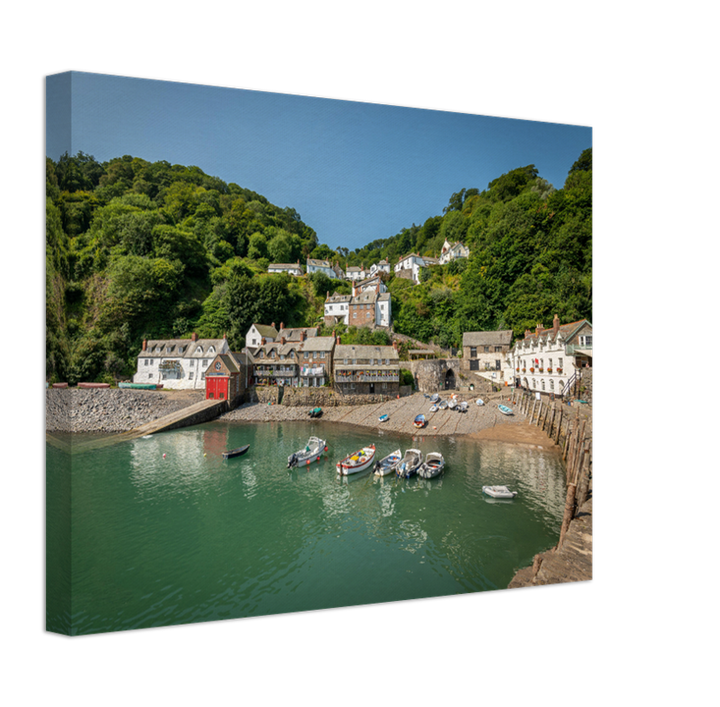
354,171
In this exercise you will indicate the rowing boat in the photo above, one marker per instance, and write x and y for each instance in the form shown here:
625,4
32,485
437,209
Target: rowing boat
235,452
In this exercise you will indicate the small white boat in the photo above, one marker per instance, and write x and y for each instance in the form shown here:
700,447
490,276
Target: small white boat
479,401
384,418
311,453
434,398
443,405
462,407
434,408
387,465
410,463
499,491
357,461
452,404
433,466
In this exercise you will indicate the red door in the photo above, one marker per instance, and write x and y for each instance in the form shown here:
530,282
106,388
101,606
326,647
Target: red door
216,387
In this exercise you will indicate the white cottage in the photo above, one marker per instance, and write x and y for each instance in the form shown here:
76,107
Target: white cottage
290,268
258,332
382,266
324,266
413,263
337,309
453,251
178,363
547,360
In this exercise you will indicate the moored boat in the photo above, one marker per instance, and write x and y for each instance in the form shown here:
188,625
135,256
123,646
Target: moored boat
434,408
434,398
505,410
479,401
462,407
443,405
357,461
409,465
433,465
311,453
387,464
235,452
316,412
384,418
93,385
499,491
140,386
419,421
452,404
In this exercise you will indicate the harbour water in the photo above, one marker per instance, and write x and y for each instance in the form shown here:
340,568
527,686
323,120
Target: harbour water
164,531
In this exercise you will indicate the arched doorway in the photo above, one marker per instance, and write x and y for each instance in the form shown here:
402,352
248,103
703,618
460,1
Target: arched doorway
449,379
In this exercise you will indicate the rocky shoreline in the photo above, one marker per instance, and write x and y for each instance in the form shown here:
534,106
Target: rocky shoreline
110,409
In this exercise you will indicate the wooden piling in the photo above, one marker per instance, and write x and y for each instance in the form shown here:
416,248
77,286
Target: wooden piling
559,427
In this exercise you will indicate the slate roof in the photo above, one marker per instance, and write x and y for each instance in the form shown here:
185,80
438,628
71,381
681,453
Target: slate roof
319,263
318,343
488,338
295,334
350,352
180,348
269,332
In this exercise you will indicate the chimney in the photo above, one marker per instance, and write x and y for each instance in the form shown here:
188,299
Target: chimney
538,329
262,341
144,348
273,325
327,297
225,336
282,340
303,333
556,325
395,345
527,333
282,325
194,336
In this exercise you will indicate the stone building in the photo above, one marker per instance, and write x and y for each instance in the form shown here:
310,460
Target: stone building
315,361
366,370
226,377
484,353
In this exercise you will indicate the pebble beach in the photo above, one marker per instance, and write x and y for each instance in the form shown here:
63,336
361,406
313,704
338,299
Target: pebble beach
122,410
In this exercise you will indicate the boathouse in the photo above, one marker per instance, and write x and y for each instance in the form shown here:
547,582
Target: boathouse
225,378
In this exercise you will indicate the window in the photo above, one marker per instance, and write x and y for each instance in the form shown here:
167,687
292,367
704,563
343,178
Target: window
192,375
192,363
354,315
497,365
306,354
560,363
473,352
322,354
498,348
586,341
543,384
486,349
205,363
552,384
150,375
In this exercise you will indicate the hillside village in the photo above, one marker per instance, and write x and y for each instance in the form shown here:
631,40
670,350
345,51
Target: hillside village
546,361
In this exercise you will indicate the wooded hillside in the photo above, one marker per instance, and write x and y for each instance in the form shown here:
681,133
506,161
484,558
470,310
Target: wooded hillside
150,250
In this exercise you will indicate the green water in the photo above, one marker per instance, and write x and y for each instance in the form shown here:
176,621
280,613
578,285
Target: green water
189,537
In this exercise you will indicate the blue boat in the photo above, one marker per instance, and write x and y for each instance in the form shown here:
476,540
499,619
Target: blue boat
410,464
505,410
419,421
384,418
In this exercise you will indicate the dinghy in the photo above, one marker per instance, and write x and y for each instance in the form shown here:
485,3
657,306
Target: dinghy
462,407
235,452
357,461
409,465
442,405
433,466
387,465
505,410
315,412
419,421
384,418
311,453
479,401
433,408
434,398
499,491
452,404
